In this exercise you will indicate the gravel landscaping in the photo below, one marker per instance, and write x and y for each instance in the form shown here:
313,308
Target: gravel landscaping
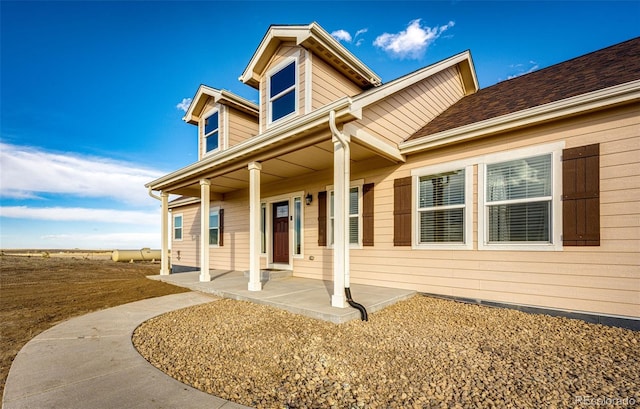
419,353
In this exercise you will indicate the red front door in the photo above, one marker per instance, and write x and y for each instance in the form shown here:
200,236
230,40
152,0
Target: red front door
281,232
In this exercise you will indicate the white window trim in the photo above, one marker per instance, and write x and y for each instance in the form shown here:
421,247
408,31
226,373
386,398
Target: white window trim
223,118
359,183
555,149
214,209
173,227
293,227
296,89
468,206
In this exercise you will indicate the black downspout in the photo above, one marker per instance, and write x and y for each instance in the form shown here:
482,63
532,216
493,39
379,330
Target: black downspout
359,307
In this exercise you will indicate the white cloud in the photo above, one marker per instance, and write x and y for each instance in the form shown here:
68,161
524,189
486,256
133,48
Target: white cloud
361,31
109,241
342,35
28,172
184,105
522,69
79,214
412,42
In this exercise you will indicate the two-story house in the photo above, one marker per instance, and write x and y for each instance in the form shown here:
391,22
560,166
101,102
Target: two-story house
525,193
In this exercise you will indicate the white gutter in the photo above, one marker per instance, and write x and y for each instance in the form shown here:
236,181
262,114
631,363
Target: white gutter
594,100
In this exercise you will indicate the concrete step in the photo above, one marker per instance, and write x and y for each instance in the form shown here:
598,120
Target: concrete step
269,274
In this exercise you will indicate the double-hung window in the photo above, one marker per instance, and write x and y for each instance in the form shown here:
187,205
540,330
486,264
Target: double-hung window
355,216
214,227
282,92
212,132
443,206
519,199
177,227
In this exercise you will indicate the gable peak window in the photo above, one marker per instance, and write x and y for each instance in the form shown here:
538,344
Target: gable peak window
212,132
282,91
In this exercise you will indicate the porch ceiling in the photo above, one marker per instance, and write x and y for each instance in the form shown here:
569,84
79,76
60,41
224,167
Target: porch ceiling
314,158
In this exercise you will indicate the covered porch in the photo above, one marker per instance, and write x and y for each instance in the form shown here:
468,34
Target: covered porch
310,151
305,296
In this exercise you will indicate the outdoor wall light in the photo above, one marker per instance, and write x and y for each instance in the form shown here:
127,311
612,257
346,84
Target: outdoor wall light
308,199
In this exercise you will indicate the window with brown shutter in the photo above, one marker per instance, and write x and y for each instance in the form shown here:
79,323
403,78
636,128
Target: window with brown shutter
322,218
581,196
402,211
221,240
367,214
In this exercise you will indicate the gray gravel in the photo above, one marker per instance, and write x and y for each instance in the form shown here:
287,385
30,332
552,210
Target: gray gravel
419,353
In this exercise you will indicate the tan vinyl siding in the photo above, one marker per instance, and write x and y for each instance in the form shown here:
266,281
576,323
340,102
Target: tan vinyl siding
397,117
242,126
604,279
328,84
186,252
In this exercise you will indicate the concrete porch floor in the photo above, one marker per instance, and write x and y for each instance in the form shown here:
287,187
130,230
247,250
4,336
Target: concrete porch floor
304,296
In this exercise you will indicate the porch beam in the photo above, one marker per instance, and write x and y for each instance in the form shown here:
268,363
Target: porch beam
164,234
254,226
205,205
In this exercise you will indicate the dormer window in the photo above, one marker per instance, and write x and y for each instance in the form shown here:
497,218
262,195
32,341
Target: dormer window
282,91
211,132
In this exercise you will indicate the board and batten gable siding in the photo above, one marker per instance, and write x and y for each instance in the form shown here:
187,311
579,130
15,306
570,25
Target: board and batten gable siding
329,85
398,116
602,279
242,126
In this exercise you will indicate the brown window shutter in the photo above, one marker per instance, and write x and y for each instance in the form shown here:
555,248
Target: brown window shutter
367,214
581,196
402,212
322,218
221,228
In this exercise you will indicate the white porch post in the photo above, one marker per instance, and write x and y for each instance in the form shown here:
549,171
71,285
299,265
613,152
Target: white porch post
205,204
341,170
164,233
254,226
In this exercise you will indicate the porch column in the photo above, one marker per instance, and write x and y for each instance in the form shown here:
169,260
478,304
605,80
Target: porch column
341,170
164,233
205,204
254,226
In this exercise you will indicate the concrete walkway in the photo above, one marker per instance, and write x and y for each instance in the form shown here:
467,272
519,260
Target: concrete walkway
304,296
90,362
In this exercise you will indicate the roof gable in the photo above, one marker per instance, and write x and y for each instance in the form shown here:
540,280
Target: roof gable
598,70
220,96
316,39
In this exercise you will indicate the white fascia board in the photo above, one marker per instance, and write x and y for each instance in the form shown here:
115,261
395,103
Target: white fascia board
220,96
258,142
329,42
203,90
618,94
377,145
284,32
300,34
383,91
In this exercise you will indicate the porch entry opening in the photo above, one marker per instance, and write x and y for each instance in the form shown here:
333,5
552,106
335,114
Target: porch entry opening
281,232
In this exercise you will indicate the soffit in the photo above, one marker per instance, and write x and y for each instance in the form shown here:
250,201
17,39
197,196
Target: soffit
316,39
297,164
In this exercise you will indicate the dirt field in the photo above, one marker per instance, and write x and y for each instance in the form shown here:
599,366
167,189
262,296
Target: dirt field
41,289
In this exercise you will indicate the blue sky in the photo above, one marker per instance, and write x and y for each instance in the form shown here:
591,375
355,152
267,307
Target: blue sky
92,92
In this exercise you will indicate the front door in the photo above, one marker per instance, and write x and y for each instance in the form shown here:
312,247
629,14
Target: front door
281,232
